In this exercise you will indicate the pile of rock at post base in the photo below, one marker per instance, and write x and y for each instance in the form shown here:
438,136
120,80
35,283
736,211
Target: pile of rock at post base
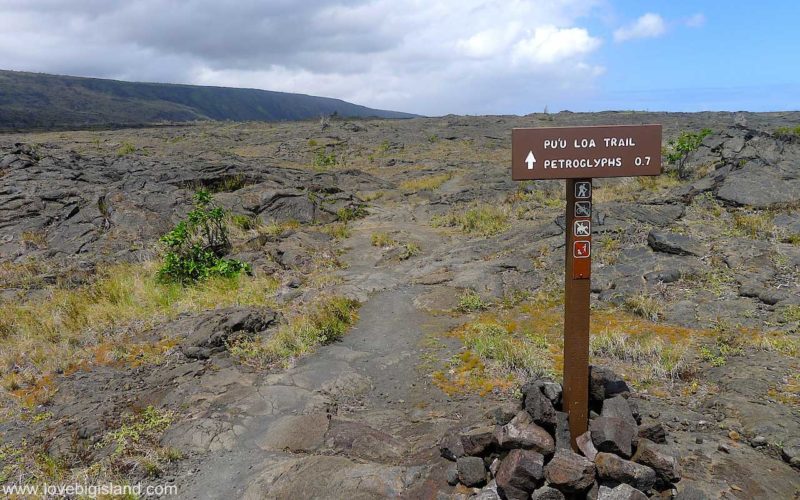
525,452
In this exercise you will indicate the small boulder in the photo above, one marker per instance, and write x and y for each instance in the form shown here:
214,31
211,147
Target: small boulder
539,406
488,492
613,435
604,384
584,442
552,391
653,431
519,473
450,446
547,493
562,433
618,407
791,450
613,468
478,441
674,243
471,471
452,475
570,472
621,492
504,412
522,432
660,459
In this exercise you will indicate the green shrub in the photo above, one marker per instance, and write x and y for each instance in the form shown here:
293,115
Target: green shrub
196,245
680,148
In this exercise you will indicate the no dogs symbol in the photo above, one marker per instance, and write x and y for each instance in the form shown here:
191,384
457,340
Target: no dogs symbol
582,249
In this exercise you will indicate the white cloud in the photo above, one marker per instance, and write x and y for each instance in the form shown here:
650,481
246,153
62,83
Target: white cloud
550,44
649,25
696,20
430,57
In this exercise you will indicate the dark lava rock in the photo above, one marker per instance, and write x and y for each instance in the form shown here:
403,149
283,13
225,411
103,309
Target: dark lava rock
488,492
562,433
613,435
618,407
791,450
547,493
691,493
452,475
613,468
604,384
477,441
522,432
450,446
471,471
504,412
653,431
570,472
519,473
661,459
584,442
673,243
539,406
552,391
621,492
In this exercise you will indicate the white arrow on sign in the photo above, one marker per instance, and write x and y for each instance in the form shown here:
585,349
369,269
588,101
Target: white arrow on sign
530,160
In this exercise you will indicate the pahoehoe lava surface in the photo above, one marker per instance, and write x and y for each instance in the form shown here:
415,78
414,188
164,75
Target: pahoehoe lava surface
362,209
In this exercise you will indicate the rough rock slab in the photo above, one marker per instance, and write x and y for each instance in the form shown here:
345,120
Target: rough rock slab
477,441
520,473
570,472
289,478
620,492
614,468
522,432
660,458
613,435
471,471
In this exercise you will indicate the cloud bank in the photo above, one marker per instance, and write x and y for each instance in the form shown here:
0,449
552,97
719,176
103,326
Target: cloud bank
433,57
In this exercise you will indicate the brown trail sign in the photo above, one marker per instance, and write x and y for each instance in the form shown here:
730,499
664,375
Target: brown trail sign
578,154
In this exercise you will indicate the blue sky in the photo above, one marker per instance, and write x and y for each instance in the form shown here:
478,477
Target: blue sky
738,56
430,57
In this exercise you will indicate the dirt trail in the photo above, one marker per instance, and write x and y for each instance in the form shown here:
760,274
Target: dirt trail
366,398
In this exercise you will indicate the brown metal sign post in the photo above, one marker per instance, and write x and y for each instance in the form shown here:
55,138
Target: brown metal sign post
579,154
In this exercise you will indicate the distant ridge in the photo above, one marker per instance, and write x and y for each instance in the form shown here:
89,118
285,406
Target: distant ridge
42,101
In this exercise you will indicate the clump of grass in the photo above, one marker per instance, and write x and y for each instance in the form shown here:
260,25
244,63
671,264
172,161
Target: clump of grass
408,250
382,240
337,230
125,149
245,222
426,183
756,225
663,360
470,301
791,313
277,228
136,443
645,306
323,322
68,325
509,350
787,132
483,220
